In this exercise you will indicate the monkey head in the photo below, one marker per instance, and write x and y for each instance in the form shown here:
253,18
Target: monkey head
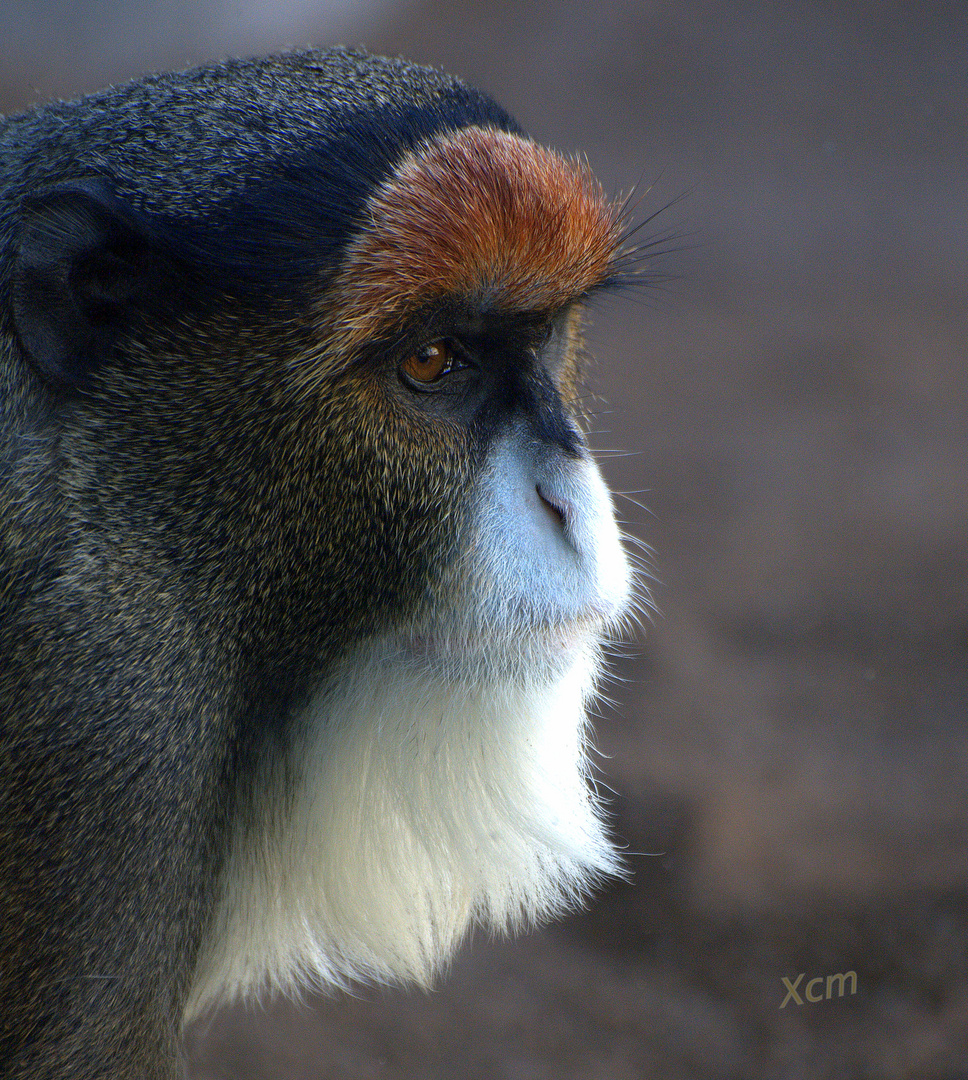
303,540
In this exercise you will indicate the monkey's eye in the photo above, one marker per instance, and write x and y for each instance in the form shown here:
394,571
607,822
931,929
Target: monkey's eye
429,364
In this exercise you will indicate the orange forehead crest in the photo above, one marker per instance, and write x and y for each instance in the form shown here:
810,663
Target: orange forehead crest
478,213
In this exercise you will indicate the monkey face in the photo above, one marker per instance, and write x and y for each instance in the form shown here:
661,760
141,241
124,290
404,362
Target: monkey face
457,307
480,485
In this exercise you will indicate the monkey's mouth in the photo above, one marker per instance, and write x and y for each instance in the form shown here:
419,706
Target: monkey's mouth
533,643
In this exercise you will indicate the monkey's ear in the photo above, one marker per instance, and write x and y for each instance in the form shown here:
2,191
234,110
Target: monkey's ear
80,263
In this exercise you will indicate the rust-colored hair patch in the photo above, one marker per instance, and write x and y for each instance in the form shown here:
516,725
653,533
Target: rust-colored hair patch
479,213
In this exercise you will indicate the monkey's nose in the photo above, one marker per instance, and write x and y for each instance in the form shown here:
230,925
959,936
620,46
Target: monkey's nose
554,507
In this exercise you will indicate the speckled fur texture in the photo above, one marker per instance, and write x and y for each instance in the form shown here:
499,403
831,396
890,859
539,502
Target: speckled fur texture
294,652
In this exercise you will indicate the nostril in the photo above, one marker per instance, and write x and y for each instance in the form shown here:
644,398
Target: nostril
555,509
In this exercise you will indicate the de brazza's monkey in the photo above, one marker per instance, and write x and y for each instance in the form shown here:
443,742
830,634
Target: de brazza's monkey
306,567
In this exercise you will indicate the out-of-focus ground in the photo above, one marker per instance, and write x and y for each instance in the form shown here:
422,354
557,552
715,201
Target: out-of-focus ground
788,743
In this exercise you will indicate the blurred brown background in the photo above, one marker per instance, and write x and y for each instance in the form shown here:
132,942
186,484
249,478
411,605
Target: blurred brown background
788,743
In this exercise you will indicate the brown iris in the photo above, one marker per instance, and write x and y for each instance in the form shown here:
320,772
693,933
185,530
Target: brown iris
430,362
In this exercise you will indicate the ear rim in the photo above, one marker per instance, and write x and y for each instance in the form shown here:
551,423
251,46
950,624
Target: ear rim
66,234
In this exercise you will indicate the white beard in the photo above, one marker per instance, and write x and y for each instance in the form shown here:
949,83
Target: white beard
415,798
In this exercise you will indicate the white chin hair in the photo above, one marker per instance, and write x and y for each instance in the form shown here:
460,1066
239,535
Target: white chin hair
408,806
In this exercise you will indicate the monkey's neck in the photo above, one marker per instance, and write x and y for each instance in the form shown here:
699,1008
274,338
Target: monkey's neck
410,804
